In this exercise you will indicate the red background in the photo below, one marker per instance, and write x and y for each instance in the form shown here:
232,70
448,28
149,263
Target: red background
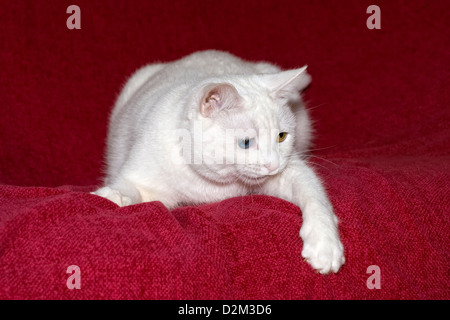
379,99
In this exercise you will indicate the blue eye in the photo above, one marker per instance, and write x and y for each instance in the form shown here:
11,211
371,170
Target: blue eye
245,143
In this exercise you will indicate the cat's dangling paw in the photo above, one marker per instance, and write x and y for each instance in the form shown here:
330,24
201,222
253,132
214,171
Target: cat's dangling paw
324,252
114,196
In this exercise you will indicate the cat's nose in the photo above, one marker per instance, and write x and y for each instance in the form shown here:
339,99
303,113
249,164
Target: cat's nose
272,167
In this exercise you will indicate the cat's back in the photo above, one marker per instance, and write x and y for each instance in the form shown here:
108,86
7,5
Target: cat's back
157,79
211,63
157,86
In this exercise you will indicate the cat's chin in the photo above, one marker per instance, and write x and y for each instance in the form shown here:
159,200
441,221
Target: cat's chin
252,180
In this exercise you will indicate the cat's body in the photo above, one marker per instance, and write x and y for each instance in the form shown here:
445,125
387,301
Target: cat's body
211,126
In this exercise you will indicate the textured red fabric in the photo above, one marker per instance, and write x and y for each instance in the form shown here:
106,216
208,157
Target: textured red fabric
380,102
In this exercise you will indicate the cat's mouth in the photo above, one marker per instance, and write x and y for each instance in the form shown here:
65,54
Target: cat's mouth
258,174
252,180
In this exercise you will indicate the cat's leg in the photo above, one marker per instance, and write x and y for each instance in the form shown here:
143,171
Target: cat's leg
322,247
121,192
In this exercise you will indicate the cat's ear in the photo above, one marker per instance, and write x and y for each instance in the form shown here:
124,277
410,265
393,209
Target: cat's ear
218,96
287,84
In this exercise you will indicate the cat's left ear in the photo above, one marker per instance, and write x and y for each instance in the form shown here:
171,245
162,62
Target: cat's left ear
218,96
287,84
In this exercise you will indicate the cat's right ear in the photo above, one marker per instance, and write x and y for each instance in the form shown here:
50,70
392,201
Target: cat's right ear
218,96
288,84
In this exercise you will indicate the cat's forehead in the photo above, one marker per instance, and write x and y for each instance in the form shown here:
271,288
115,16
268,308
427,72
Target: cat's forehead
269,113
266,118
258,118
258,109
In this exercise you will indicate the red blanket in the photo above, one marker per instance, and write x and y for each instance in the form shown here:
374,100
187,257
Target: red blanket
380,99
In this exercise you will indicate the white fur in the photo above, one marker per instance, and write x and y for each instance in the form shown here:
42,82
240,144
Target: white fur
218,100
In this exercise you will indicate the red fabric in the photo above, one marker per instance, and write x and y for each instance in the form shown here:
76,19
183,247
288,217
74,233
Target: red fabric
380,102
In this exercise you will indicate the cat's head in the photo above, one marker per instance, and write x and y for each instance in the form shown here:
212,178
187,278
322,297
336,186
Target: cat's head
248,125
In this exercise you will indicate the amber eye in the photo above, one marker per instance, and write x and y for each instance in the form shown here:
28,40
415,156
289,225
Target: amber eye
282,136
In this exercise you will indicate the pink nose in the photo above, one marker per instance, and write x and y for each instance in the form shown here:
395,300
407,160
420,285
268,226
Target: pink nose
271,166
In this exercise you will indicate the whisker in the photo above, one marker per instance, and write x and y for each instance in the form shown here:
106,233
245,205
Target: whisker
311,163
326,160
310,108
319,149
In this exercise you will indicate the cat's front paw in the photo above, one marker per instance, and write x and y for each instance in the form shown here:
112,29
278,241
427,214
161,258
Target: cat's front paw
114,196
322,249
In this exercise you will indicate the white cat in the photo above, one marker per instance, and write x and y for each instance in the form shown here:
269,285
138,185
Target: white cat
212,126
